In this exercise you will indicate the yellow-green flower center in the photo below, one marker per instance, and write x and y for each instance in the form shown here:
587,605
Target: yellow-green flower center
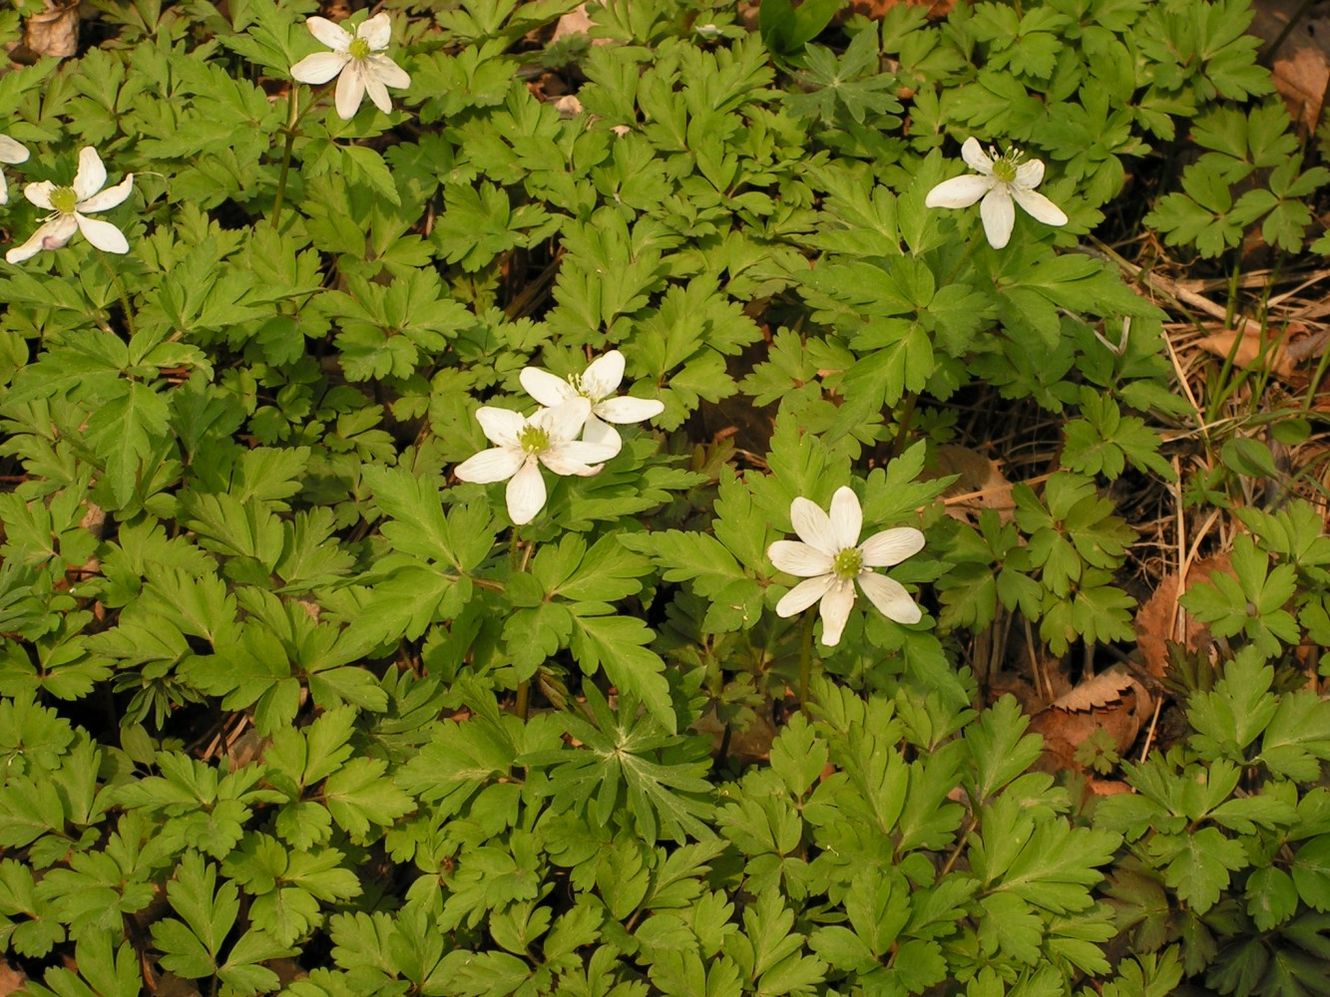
1004,170
64,200
358,49
848,563
534,440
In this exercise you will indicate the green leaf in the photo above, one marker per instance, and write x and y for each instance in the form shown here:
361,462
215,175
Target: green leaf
358,796
786,29
1311,872
1271,897
190,947
617,645
999,747
1198,865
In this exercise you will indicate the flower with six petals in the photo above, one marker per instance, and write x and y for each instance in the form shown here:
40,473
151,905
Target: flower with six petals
357,59
523,443
10,152
1002,182
830,559
597,385
70,206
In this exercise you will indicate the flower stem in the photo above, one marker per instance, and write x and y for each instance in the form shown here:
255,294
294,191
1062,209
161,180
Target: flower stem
805,659
292,119
903,428
123,292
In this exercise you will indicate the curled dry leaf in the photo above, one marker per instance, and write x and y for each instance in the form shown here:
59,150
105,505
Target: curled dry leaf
1095,692
576,22
980,484
1156,620
53,31
568,106
1121,715
11,979
1301,66
1108,787
1250,344
878,8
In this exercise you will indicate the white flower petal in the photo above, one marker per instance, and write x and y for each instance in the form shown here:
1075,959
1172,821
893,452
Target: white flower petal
500,425
847,519
803,595
813,526
890,597
999,215
835,610
603,433
4,189
494,464
1039,207
27,250
526,493
545,387
350,91
603,375
108,198
333,35
889,547
975,157
103,235
958,192
377,30
388,72
563,422
91,175
58,232
40,194
627,409
1029,173
319,67
577,457
52,235
11,151
378,93
798,558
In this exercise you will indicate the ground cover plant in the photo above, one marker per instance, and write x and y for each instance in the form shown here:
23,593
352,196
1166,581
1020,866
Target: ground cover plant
660,498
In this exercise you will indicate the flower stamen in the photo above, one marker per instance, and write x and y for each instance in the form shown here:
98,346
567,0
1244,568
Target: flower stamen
848,563
533,440
1004,170
64,200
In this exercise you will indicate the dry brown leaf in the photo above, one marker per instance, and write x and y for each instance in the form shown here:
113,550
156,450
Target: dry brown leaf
1064,731
1109,787
11,979
1275,359
877,8
576,22
568,106
1096,692
54,31
980,483
1301,68
1156,620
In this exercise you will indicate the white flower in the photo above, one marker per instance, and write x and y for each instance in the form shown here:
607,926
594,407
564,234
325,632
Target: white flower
830,560
523,443
596,384
1001,180
69,207
10,152
356,58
